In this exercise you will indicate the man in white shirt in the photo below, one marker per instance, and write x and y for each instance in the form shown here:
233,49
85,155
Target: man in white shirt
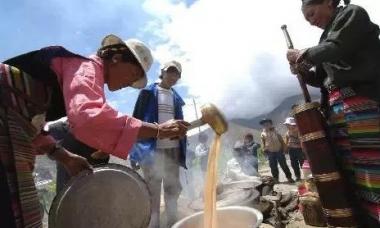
274,146
161,159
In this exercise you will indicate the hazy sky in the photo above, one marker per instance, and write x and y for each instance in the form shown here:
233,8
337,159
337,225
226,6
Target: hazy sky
233,51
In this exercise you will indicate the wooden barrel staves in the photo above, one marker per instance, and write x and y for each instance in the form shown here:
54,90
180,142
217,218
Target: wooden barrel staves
329,183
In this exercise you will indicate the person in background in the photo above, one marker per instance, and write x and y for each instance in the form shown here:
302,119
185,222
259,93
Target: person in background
249,149
293,147
61,133
201,154
274,146
50,83
188,175
160,159
202,151
239,168
345,65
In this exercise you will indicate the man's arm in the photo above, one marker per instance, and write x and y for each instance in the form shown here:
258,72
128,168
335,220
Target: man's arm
263,143
283,145
287,138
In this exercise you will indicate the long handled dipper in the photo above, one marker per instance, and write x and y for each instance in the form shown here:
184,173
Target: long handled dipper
213,117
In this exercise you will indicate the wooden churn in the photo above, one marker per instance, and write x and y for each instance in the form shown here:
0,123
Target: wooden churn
328,180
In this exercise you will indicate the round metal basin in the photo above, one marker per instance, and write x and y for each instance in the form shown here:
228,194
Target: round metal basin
227,217
110,196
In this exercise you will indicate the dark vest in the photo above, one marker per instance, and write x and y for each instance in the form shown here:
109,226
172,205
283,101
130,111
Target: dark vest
37,65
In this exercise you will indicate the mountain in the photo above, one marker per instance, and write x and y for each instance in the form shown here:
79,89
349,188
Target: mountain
278,114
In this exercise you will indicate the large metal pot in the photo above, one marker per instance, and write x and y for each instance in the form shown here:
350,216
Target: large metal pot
227,217
110,196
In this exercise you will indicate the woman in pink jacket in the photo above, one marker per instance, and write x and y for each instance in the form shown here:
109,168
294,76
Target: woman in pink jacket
50,83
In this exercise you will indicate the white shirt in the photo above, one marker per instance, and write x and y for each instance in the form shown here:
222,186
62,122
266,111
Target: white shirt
165,113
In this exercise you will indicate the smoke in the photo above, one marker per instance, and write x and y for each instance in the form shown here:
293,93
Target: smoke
233,51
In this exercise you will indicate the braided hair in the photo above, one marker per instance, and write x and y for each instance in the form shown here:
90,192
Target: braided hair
317,2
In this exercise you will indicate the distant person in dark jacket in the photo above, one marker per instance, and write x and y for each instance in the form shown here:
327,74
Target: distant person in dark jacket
346,66
249,149
201,152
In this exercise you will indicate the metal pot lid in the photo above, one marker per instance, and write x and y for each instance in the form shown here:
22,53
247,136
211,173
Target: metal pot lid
110,196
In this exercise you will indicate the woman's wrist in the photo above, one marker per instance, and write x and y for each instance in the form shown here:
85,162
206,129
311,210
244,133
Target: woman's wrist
59,154
51,153
158,130
149,130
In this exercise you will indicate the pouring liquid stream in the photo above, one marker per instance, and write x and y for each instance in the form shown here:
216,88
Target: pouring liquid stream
210,219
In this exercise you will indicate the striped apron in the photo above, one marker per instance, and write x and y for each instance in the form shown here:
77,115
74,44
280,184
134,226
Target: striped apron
21,114
355,130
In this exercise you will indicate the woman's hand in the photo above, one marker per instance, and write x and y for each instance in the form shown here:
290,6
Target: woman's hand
74,164
100,155
170,129
173,129
295,55
292,55
294,68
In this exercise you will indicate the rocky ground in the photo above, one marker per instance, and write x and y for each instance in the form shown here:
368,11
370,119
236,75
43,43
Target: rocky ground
296,220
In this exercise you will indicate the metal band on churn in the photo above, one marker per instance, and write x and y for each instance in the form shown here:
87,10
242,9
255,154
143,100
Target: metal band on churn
327,177
312,136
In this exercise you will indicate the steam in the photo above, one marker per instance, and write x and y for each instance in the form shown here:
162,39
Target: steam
233,51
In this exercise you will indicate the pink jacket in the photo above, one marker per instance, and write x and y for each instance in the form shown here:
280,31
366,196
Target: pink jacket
92,120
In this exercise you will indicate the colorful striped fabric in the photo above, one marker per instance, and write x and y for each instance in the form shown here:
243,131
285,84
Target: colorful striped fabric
22,98
18,156
355,129
373,208
25,95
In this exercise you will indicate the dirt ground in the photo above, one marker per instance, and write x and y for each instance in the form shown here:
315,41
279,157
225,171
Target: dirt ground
297,220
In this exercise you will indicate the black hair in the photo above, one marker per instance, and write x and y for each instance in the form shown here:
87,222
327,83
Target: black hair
108,53
317,2
249,135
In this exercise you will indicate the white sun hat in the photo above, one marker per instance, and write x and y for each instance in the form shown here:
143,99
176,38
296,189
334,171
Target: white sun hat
139,50
143,56
290,121
174,64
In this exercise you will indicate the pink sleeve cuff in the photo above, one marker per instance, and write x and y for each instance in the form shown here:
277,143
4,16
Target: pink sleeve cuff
128,138
42,141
